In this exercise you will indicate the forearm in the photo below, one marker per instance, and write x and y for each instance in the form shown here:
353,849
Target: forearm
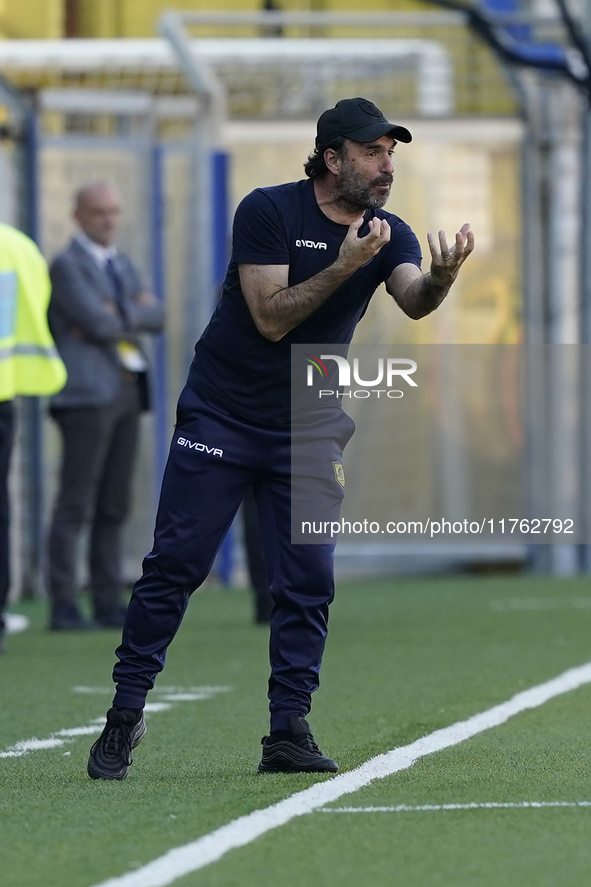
423,295
276,309
288,307
100,325
145,315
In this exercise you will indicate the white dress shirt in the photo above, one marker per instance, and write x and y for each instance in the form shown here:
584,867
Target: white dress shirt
101,254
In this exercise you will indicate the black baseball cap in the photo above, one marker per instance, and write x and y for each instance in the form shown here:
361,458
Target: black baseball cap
359,120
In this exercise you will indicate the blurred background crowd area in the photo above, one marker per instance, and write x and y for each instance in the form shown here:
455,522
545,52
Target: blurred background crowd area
187,111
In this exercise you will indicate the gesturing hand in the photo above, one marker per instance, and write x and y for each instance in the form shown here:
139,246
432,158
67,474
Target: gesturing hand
355,251
446,262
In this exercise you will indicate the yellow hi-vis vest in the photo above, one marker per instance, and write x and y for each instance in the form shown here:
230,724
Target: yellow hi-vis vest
29,361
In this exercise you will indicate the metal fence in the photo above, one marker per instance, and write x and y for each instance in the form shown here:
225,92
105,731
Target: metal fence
144,147
117,121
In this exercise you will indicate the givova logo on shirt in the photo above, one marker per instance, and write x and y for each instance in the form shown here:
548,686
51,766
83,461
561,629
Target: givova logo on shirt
311,244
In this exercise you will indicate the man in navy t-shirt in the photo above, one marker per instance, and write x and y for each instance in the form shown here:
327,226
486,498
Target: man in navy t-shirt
306,259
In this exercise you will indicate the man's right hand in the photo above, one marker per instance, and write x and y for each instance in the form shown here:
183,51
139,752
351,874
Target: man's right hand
355,251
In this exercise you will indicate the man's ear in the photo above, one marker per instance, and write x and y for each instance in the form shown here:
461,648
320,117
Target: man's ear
332,161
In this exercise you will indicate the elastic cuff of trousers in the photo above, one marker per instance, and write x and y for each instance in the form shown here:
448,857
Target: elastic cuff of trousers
280,720
129,697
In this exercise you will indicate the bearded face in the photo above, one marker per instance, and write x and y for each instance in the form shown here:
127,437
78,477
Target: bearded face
361,189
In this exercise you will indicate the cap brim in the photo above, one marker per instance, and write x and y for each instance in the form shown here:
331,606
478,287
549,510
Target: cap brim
377,130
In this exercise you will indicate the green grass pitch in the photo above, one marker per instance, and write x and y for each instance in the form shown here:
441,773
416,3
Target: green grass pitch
404,658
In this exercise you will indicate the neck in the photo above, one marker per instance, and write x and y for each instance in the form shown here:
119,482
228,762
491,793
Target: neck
332,205
93,240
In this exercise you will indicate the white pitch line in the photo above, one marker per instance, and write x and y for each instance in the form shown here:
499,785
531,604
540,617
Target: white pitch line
189,858
62,737
26,745
56,740
485,805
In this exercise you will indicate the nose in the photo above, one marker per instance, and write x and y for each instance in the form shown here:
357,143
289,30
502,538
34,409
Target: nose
388,164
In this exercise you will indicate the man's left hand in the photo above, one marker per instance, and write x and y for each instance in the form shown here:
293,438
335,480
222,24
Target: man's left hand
446,261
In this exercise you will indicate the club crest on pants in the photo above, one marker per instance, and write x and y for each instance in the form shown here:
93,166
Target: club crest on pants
339,473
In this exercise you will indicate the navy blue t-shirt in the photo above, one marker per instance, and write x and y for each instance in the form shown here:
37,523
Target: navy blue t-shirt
234,365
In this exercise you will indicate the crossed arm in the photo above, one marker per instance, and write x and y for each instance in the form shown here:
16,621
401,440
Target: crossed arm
88,316
276,308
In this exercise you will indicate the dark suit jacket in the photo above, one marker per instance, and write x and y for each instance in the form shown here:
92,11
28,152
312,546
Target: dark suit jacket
86,331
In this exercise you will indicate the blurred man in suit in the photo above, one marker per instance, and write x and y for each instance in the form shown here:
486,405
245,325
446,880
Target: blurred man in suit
98,307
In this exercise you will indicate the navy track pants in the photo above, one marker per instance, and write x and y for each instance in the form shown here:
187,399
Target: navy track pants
214,458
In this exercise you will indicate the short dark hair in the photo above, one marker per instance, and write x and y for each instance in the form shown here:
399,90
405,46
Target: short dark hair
315,167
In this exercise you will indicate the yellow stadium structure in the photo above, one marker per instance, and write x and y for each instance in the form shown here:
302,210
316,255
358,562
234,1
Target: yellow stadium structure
135,18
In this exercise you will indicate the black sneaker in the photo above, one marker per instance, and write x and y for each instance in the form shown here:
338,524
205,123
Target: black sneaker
294,751
110,756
